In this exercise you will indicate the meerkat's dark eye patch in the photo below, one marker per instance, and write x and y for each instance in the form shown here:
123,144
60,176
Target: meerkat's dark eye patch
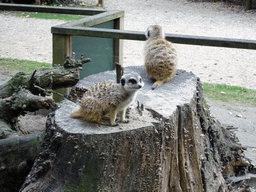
132,81
148,33
122,82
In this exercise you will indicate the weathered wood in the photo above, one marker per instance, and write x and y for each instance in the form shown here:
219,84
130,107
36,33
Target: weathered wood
61,48
100,3
134,35
26,91
95,19
248,4
170,144
17,157
118,43
48,78
50,9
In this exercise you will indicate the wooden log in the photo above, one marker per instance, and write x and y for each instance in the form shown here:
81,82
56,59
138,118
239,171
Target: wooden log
170,144
17,157
26,91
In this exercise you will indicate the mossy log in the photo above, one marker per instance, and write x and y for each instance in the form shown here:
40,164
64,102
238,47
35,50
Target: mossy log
26,92
170,144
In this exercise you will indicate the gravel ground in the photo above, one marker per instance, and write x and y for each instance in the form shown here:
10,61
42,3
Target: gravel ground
28,38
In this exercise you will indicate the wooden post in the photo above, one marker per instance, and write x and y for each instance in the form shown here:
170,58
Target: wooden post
118,43
100,3
248,5
38,2
62,47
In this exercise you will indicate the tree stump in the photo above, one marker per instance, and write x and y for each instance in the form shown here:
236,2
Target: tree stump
170,144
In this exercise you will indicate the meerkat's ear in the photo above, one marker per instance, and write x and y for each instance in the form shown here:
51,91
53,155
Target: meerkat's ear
122,82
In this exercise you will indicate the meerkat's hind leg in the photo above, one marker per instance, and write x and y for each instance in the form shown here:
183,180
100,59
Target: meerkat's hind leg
113,118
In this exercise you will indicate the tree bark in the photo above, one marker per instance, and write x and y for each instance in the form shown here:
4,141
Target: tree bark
170,144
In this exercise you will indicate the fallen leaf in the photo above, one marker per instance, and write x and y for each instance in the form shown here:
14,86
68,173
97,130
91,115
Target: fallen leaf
239,115
254,149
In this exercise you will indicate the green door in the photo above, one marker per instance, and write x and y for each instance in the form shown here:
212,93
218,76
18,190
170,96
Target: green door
99,50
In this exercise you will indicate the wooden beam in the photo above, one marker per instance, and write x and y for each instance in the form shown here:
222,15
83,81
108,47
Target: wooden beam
50,9
134,35
118,43
95,19
248,4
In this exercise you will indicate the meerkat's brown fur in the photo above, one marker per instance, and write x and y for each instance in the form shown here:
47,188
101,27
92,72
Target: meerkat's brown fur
160,56
108,98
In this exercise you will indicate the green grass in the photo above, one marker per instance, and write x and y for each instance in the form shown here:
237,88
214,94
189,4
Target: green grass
231,94
21,65
65,17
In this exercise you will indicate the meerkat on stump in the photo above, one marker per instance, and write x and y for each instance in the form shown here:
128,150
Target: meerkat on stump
160,56
106,98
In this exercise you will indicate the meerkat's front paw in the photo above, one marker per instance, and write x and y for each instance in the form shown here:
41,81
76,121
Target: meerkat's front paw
114,125
154,87
126,121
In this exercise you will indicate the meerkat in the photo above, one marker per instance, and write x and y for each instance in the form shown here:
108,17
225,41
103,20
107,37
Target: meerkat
160,56
107,98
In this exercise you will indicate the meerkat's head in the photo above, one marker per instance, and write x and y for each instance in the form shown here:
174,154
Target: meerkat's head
155,31
131,82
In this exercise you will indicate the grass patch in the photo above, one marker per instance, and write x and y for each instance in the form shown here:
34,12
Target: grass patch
38,15
21,65
229,94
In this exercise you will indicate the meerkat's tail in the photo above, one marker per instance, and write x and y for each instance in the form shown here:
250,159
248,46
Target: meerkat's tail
77,114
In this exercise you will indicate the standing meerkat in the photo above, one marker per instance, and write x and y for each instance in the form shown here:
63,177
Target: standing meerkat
160,56
109,98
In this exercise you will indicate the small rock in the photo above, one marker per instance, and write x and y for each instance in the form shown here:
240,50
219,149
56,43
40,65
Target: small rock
239,115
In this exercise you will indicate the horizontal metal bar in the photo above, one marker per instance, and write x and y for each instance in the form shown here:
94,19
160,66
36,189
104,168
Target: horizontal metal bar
50,9
134,35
